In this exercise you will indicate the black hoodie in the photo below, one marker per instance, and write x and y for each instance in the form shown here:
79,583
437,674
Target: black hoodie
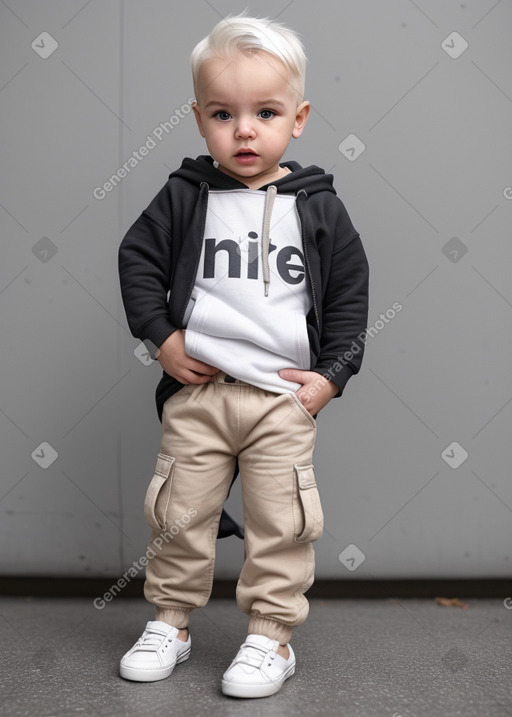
160,254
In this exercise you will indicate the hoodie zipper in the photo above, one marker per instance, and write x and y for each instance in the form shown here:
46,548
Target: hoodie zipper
306,255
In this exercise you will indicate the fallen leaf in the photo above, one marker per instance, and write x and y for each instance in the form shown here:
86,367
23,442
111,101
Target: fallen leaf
451,602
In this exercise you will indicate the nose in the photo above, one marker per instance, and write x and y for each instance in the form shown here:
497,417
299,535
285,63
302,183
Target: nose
245,128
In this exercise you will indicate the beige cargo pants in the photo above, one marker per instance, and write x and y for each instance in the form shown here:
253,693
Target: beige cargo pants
204,428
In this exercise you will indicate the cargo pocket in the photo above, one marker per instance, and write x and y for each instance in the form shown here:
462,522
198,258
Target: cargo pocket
158,494
308,518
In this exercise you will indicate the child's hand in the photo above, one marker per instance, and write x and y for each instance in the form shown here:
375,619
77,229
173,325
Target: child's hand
174,361
315,392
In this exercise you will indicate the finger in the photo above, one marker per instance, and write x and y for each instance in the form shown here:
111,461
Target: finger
306,402
209,370
201,367
291,374
196,378
286,372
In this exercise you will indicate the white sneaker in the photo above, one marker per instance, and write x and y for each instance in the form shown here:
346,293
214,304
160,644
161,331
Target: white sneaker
155,654
257,670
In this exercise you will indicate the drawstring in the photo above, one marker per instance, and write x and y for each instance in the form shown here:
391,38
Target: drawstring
265,237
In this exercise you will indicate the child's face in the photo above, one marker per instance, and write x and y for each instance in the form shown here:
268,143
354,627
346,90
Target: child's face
247,103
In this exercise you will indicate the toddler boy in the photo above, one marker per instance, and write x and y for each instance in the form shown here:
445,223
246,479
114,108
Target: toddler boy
268,285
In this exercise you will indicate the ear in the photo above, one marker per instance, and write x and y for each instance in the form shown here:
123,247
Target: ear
301,117
197,113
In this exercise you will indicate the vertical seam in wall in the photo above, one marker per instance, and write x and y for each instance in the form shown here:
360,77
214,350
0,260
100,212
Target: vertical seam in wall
119,456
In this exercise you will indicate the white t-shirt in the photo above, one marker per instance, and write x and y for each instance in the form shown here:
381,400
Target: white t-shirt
230,322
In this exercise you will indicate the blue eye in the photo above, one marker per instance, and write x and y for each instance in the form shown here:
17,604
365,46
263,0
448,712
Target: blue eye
223,115
267,114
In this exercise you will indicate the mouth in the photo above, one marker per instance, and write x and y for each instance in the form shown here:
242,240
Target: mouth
246,153
246,156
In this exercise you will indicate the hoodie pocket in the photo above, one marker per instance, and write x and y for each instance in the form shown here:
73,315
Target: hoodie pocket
158,493
308,517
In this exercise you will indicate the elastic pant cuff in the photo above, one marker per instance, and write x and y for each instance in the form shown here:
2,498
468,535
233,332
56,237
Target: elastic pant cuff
272,629
175,616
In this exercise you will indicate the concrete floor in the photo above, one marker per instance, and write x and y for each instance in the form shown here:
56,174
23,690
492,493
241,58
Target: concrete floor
356,658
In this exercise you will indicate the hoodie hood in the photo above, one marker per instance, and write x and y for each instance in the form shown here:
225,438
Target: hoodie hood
311,179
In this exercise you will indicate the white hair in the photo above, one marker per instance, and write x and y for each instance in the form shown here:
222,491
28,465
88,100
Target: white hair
250,34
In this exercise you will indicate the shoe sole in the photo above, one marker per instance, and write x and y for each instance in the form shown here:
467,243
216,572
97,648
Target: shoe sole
138,675
234,689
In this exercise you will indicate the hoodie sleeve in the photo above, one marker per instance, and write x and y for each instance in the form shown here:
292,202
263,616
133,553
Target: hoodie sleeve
145,265
344,309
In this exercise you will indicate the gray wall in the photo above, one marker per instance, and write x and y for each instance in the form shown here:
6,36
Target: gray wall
431,196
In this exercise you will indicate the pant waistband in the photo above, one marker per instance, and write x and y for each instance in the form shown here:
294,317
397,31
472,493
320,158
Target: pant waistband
223,377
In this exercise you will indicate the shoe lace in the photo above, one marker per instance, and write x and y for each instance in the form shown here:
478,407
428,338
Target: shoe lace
150,641
251,655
